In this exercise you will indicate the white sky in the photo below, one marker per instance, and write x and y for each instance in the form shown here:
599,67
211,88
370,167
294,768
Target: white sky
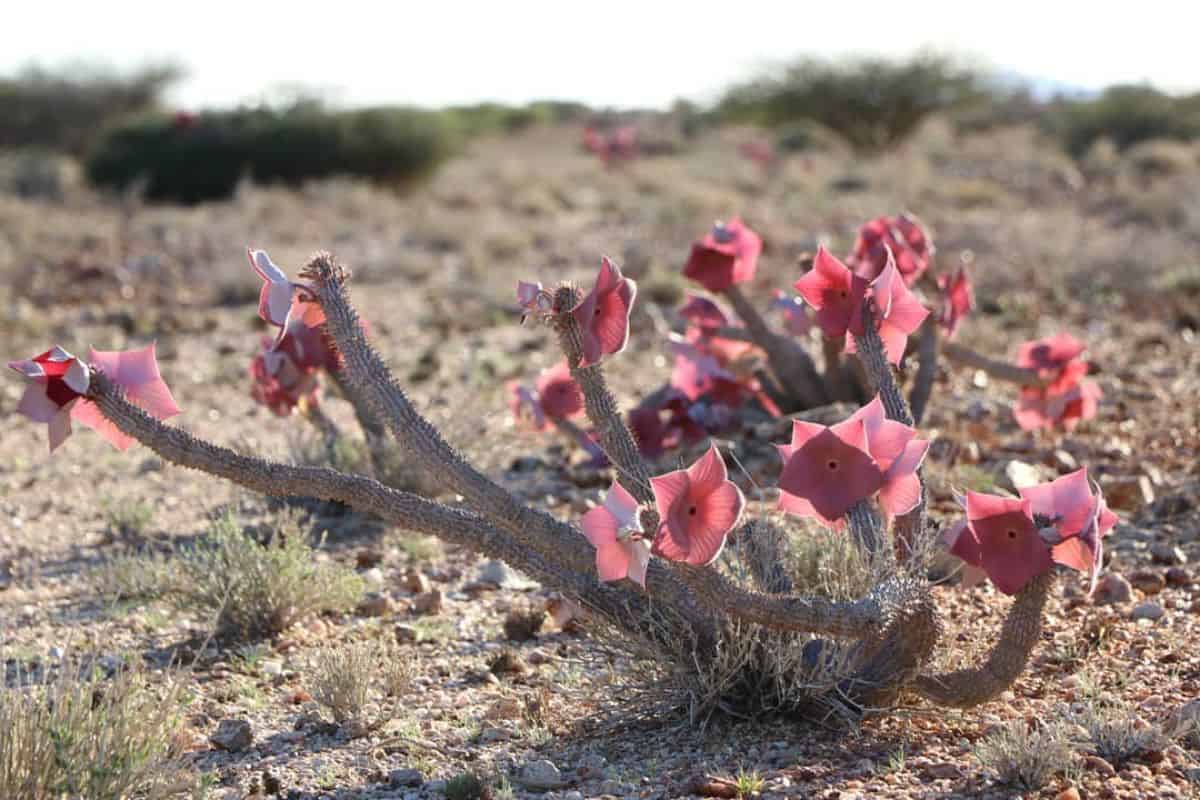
604,52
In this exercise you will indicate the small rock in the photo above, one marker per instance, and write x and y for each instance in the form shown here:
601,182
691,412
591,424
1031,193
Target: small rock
1070,793
1167,554
373,577
271,784
504,708
1147,610
367,558
502,576
1021,475
1148,580
436,787
416,582
574,794
713,787
430,602
944,771
374,605
406,777
233,735
1129,493
405,634
272,667
1112,589
1065,461
57,653
541,775
1185,721
1178,576
489,735
1099,765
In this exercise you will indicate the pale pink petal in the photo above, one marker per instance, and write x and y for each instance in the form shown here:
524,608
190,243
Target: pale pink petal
624,508
1068,498
88,413
136,371
27,367
36,405
801,433
708,472
667,489
77,377
612,561
599,526
719,513
527,294
60,426
639,560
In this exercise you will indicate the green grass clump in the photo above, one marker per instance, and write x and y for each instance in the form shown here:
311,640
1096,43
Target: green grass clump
81,735
1126,115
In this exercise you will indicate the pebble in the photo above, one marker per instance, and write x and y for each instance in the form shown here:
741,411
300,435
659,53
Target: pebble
272,667
1129,493
1099,765
373,577
1167,554
374,605
405,634
1148,581
1070,793
430,602
416,582
1112,588
541,775
499,574
406,777
1021,475
1147,610
1178,576
233,735
57,653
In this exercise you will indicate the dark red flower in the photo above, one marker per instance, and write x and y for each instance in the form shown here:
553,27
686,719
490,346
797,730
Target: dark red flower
727,255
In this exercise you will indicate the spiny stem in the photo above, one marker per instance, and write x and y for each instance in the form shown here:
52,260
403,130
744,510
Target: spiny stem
793,368
1000,370
927,352
873,357
1007,659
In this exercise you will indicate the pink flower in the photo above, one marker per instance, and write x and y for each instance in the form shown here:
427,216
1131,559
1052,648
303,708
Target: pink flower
707,319
795,316
1081,518
958,300
1066,398
834,291
525,407
558,394
704,314
603,315
280,298
698,507
280,383
615,530
727,255
897,311
903,236
1002,539
59,381
760,151
655,435
829,469
531,298
696,372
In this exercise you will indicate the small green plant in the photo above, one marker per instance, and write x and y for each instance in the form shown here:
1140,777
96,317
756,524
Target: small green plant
133,577
342,678
126,521
467,786
1127,115
1025,757
81,735
749,784
256,590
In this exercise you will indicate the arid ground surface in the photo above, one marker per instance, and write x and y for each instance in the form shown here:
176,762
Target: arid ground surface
1106,250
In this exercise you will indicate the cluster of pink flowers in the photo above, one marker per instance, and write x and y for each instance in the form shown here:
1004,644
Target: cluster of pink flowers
58,382
1013,540
697,508
1065,397
900,238
612,146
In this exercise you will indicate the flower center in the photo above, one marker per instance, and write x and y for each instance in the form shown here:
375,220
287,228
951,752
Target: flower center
1012,534
832,464
691,511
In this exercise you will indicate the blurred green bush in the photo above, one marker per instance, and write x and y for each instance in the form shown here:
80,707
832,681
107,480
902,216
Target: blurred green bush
871,102
61,111
1126,115
192,158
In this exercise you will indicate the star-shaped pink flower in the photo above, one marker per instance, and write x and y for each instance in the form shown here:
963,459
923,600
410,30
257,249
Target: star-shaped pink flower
57,380
1001,539
728,254
898,314
698,507
615,530
958,300
834,291
898,454
1081,518
136,371
1065,398
826,470
903,236
279,382
558,394
603,314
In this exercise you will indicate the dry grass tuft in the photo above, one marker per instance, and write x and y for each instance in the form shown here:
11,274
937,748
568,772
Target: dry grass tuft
80,735
524,621
1117,733
1023,757
345,679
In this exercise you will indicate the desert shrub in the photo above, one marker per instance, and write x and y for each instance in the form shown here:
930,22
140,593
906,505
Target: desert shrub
38,174
62,111
255,589
872,102
343,679
80,735
1023,757
133,576
192,159
467,786
1126,115
1116,733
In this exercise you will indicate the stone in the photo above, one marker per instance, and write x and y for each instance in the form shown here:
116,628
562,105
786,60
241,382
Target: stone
1147,610
405,634
373,577
1020,475
500,575
1167,554
406,777
1129,493
416,582
272,667
232,735
1065,461
430,602
1148,581
1184,722
1112,589
1070,793
1099,765
374,605
367,558
1178,576
541,776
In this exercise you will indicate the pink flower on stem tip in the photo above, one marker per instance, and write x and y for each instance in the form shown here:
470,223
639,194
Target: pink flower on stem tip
698,507
958,300
727,255
795,314
706,320
903,237
532,299
1082,519
59,382
834,291
280,382
704,314
615,530
603,314
558,394
897,311
280,299
1001,538
1065,398
654,434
